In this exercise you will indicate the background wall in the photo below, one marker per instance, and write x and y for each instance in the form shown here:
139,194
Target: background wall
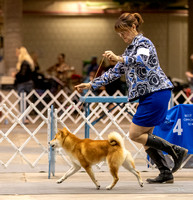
81,37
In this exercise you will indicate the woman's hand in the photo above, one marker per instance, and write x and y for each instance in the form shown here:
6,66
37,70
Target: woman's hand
82,86
111,56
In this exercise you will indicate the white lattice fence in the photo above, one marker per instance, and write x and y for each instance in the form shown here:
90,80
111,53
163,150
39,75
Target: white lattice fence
11,99
69,110
182,98
26,146
61,101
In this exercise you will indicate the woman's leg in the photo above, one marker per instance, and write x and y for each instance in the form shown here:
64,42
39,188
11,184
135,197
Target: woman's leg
158,158
141,135
178,153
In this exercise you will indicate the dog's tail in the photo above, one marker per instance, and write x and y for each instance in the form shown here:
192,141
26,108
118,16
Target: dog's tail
116,139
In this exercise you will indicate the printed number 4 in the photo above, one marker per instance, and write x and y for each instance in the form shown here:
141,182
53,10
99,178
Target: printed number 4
178,127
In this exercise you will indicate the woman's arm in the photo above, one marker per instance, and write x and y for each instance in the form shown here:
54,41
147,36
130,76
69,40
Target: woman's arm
111,75
143,54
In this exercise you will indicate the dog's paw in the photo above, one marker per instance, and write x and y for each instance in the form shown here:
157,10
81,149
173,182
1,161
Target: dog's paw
141,184
59,181
109,187
98,187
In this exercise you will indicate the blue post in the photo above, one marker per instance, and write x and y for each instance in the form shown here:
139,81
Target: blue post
52,152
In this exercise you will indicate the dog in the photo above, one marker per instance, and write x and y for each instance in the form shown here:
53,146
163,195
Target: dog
86,152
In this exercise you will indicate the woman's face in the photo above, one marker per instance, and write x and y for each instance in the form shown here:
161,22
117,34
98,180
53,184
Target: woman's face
17,52
128,35
60,59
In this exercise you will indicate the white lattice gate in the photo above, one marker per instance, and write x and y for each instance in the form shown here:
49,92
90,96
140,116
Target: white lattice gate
30,141
11,145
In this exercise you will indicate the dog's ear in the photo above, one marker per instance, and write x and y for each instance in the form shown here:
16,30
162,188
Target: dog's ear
60,131
65,131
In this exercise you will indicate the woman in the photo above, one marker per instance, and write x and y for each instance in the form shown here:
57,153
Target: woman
25,68
147,82
24,75
60,74
60,69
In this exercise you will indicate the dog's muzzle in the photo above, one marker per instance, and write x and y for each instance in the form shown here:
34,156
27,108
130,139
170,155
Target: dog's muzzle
52,145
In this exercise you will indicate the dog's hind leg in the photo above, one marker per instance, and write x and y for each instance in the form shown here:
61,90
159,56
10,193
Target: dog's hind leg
130,166
114,173
92,176
137,174
70,172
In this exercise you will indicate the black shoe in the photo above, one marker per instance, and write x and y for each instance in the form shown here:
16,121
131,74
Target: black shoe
181,153
163,177
158,158
177,153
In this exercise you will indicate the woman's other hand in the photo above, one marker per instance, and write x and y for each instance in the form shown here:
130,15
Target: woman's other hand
82,86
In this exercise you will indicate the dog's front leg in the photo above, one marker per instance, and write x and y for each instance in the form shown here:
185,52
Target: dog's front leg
70,172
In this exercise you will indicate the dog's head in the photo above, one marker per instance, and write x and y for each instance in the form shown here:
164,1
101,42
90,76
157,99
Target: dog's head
59,138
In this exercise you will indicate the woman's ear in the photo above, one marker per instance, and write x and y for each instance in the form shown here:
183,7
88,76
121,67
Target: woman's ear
134,27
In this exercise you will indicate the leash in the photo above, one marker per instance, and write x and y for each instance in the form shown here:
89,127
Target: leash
102,60
81,105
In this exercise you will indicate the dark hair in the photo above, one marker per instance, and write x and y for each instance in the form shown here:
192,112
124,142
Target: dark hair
63,55
126,20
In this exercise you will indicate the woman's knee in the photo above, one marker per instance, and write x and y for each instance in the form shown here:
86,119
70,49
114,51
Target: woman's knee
132,135
139,134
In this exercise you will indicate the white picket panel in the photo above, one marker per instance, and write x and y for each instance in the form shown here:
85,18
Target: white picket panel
61,101
31,135
181,94
68,109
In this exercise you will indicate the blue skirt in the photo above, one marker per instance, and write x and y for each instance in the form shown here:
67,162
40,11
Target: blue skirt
152,108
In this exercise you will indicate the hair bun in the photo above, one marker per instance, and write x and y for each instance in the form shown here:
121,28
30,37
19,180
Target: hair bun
138,18
126,20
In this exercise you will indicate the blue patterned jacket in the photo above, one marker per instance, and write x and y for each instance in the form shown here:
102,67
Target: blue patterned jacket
141,68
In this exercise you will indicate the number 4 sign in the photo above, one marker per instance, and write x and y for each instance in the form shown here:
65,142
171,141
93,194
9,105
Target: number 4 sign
178,127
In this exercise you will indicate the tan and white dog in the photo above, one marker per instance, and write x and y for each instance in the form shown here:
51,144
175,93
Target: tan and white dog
86,152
